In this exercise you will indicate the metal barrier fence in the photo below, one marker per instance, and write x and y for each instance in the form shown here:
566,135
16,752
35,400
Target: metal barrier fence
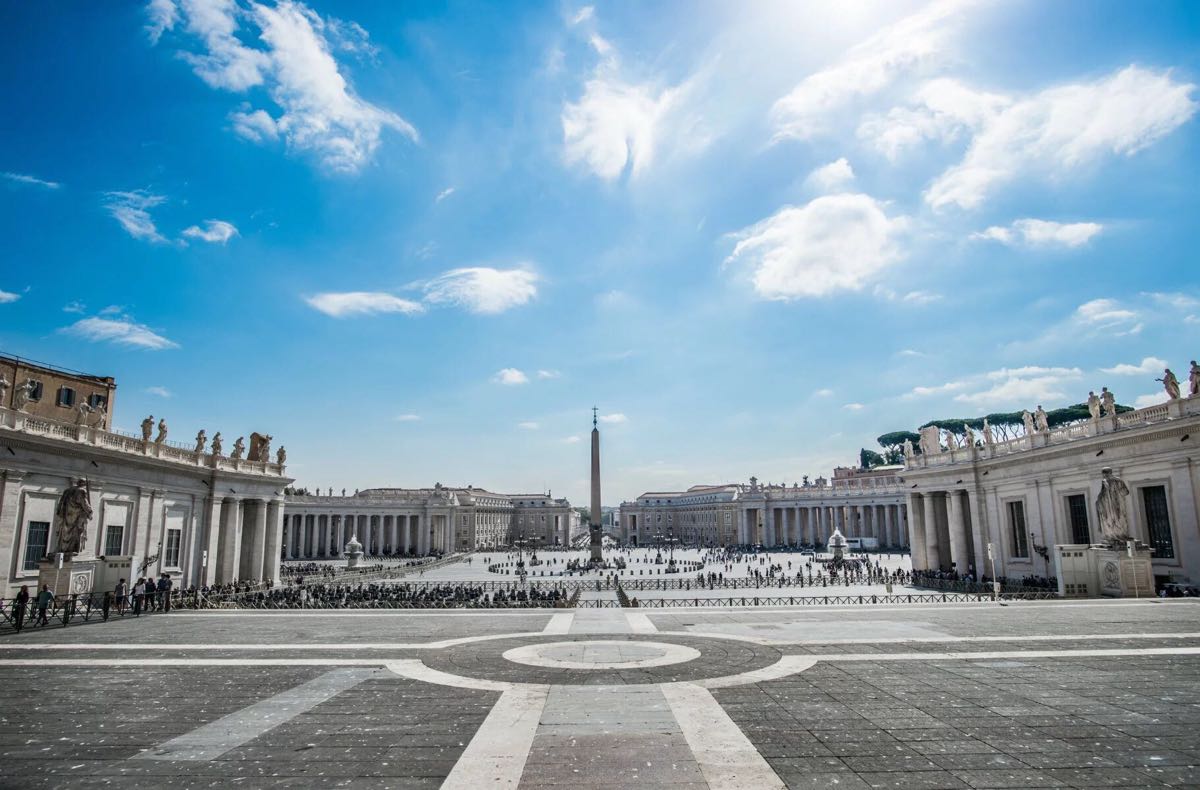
91,607
836,600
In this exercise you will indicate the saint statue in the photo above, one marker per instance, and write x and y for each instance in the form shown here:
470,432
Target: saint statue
147,428
4,385
1170,384
201,440
23,394
101,414
81,413
1109,402
281,456
1093,404
968,437
987,432
908,449
217,447
1027,418
1193,381
162,432
1043,421
71,516
239,447
1110,508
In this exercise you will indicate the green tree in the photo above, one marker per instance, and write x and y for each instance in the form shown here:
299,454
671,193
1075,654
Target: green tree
869,459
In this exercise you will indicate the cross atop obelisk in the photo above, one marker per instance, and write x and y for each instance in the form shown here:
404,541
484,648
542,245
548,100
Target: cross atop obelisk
596,557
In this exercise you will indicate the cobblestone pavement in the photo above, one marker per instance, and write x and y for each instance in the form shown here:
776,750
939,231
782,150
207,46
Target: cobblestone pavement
1065,694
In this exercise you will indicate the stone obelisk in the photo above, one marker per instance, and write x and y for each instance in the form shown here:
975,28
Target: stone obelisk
597,558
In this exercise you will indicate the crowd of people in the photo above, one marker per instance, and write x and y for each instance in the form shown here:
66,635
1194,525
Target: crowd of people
1027,581
399,596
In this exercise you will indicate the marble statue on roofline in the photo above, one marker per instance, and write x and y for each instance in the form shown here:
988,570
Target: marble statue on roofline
147,428
4,385
1193,381
1093,405
1109,402
239,448
217,445
1042,419
162,432
23,394
1027,419
1170,384
201,440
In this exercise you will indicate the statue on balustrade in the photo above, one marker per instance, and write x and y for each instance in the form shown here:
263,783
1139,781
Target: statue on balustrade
968,438
4,385
239,447
147,428
217,446
71,516
1042,419
1170,384
988,439
1110,508
201,440
23,394
162,432
908,448
260,447
1093,404
1027,418
1109,402
931,440
82,412
100,413
281,457
1193,381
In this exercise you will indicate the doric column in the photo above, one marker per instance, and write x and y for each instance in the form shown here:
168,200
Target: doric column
768,525
212,541
273,533
229,558
958,533
256,561
889,527
933,554
916,524
423,534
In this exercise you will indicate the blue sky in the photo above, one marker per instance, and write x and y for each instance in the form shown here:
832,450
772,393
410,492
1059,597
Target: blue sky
417,242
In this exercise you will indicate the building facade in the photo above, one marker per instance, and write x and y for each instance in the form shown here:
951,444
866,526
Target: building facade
199,517
56,393
860,504
422,521
1025,495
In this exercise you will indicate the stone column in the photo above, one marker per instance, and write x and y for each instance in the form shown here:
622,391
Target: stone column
257,544
273,533
10,501
768,525
933,553
229,559
212,540
958,533
889,527
423,535
916,524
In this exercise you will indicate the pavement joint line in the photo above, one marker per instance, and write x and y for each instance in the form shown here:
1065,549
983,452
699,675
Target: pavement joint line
640,623
786,665
770,642
559,623
210,741
726,757
495,757
415,669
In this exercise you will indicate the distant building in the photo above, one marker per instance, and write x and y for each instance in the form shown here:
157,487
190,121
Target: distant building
423,521
57,393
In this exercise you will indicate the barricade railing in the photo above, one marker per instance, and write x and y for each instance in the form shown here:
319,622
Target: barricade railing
835,600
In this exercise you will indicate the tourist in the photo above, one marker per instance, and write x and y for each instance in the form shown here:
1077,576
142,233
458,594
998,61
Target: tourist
21,606
120,593
44,600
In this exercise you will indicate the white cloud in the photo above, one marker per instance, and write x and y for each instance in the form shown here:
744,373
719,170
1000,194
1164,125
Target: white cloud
528,425
1104,313
613,419
1147,366
510,377
1063,128
112,309
583,15
74,307
318,111
852,406
1025,387
407,418
21,178
1042,233
548,374
1176,300
572,440
122,331
215,231
949,386
484,290
823,393
340,305
6,297
445,193
161,392
163,15
1153,399
833,243
132,210
920,297
915,42
943,110
831,177
910,352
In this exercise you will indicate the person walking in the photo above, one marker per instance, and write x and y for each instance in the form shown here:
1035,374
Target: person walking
21,606
121,593
139,592
44,599
164,593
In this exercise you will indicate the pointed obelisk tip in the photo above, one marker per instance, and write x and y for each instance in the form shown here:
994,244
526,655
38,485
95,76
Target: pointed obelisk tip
595,425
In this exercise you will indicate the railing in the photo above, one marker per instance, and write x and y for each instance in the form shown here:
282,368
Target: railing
952,585
1137,418
836,600
92,607
176,452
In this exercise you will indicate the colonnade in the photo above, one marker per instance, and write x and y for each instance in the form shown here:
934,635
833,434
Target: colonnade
814,524
242,541
945,532
322,535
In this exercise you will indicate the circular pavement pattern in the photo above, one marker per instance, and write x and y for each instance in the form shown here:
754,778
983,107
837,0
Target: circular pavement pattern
601,654
601,659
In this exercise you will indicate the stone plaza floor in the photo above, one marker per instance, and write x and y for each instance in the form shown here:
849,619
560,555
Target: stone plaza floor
1028,695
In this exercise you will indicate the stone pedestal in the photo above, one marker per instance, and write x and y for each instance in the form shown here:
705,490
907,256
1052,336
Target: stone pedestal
353,552
1086,571
65,575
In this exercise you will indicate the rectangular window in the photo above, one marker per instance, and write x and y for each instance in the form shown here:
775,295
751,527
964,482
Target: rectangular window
1158,522
114,535
96,399
1016,523
36,393
66,397
171,552
36,537
1077,513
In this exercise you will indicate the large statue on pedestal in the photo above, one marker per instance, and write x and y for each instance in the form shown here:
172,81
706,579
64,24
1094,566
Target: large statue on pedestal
1110,508
71,516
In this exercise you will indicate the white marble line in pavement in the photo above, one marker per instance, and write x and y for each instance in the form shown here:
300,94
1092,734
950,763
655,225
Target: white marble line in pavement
726,757
764,640
640,623
268,646
415,669
559,623
214,739
786,665
495,757
367,662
